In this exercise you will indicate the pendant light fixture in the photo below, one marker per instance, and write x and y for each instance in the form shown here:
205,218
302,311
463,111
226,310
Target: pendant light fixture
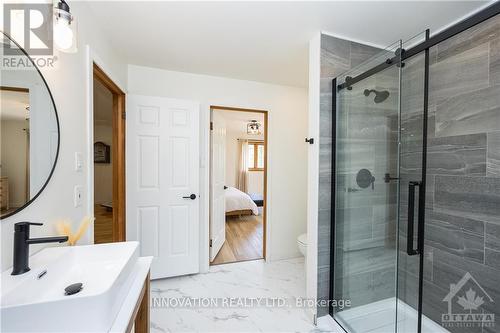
64,27
253,128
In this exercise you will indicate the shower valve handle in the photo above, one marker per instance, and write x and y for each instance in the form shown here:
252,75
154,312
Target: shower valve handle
388,178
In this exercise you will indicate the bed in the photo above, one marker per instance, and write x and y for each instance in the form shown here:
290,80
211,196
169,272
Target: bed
239,203
257,198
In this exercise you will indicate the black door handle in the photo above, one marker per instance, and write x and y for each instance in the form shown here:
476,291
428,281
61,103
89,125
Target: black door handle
192,197
411,218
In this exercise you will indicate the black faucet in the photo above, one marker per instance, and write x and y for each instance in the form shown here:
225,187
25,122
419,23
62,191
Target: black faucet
21,245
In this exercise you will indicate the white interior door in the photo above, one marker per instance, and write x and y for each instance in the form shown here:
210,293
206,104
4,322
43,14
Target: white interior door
163,182
217,183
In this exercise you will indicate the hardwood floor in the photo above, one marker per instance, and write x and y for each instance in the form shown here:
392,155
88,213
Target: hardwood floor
243,240
103,225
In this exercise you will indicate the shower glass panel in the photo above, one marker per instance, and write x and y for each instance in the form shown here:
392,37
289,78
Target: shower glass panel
366,198
411,136
379,155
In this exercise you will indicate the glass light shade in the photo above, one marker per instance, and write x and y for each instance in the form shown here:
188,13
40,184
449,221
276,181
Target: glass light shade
63,36
64,31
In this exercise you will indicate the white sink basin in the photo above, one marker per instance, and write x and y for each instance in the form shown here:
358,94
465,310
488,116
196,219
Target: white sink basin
33,304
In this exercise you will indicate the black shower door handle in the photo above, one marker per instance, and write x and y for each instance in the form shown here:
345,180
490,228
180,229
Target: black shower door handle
411,218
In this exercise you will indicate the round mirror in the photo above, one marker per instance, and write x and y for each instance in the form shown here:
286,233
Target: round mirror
29,130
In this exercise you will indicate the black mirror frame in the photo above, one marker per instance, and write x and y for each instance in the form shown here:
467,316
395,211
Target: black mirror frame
49,177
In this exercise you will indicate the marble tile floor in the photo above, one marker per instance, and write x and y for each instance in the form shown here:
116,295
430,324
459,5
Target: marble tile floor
252,281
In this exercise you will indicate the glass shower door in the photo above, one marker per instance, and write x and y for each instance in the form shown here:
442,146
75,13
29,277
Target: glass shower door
411,192
366,195
377,184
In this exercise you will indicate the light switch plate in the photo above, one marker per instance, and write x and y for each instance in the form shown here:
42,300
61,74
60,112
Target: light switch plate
78,162
78,195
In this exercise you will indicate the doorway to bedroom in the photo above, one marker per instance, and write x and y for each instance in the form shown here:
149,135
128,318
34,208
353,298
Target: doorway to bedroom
238,183
109,158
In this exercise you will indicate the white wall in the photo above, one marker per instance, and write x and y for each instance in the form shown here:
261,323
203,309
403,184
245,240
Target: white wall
313,170
256,182
14,148
68,83
103,172
42,124
232,158
233,133
43,136
287,153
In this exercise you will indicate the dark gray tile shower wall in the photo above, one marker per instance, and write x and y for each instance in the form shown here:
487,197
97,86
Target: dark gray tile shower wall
463,171
493,151
463,177
337,57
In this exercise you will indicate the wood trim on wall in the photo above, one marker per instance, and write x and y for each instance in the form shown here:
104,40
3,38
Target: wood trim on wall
16,89
266,133
228,108
140,320
117,153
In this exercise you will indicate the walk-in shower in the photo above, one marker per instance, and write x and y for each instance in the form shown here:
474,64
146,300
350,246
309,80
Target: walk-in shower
415,237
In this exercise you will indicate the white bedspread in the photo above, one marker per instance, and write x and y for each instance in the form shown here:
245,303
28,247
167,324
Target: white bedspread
237,200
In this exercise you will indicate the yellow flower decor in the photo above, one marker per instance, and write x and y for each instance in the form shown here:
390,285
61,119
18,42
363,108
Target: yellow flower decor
64,229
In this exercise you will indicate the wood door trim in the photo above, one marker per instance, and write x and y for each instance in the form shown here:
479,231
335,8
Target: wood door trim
16,89
106,80
117,153
266,134
229,108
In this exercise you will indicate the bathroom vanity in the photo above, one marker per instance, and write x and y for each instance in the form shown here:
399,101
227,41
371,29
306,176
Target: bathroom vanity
113,297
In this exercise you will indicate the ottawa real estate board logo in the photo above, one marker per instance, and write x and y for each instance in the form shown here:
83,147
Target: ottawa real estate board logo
467,302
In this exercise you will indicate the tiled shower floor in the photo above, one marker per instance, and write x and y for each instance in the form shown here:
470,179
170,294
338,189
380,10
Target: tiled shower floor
379,317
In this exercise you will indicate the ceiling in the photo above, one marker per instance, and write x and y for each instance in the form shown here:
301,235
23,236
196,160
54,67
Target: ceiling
259,41
13,105
236,121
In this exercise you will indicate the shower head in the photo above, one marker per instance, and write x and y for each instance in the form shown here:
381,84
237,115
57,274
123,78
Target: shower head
380,96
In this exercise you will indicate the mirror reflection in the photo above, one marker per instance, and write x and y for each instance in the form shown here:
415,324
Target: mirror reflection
29,133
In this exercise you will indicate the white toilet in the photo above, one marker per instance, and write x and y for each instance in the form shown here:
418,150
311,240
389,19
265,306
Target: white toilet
302,244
